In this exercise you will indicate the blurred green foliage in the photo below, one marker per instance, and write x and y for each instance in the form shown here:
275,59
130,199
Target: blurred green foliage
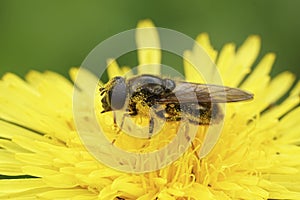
58,34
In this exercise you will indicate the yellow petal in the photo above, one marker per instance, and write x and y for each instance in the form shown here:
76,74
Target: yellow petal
123,184
52,82
8,157
66,194
106,172
203,40
244,59
175,192
191,73
84,79
113,68
279,86
148,195
34,159
11,146
30,194
165,195
288,122
127,71
226,185
55,181
199,63
25,143
148,44
296,90
8,130
198,191
277,191
262,70
107,193
225,62
11,169
62,83
279,110
291,181
20,185
13,81
38,171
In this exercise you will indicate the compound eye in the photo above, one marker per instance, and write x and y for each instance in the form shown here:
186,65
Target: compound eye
118,94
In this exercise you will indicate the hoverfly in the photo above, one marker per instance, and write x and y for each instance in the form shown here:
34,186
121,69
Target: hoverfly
170,99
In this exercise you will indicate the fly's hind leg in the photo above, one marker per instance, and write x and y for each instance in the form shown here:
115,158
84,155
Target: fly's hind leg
186,131
192,142
157,111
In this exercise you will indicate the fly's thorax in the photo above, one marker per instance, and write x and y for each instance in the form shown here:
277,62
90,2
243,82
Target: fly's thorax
150,83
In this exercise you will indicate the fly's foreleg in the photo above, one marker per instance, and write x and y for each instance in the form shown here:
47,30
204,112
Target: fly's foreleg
116,125
121,125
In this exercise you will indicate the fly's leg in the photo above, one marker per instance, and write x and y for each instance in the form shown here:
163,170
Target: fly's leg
186,133
121,125
151,127
115,120
120,128
194,149
156,111
115,125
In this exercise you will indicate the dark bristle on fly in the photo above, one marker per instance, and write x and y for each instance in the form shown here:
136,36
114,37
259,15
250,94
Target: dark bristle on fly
102,90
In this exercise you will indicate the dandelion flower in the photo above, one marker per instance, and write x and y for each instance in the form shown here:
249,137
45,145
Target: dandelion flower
256,157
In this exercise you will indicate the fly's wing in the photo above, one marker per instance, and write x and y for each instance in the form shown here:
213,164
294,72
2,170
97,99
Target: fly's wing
186,92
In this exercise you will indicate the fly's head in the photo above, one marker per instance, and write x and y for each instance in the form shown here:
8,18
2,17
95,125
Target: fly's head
114,94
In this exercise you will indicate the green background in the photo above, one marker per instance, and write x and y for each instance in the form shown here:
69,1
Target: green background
56,35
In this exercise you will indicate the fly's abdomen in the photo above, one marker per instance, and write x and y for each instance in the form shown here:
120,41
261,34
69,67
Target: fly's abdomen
196,113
